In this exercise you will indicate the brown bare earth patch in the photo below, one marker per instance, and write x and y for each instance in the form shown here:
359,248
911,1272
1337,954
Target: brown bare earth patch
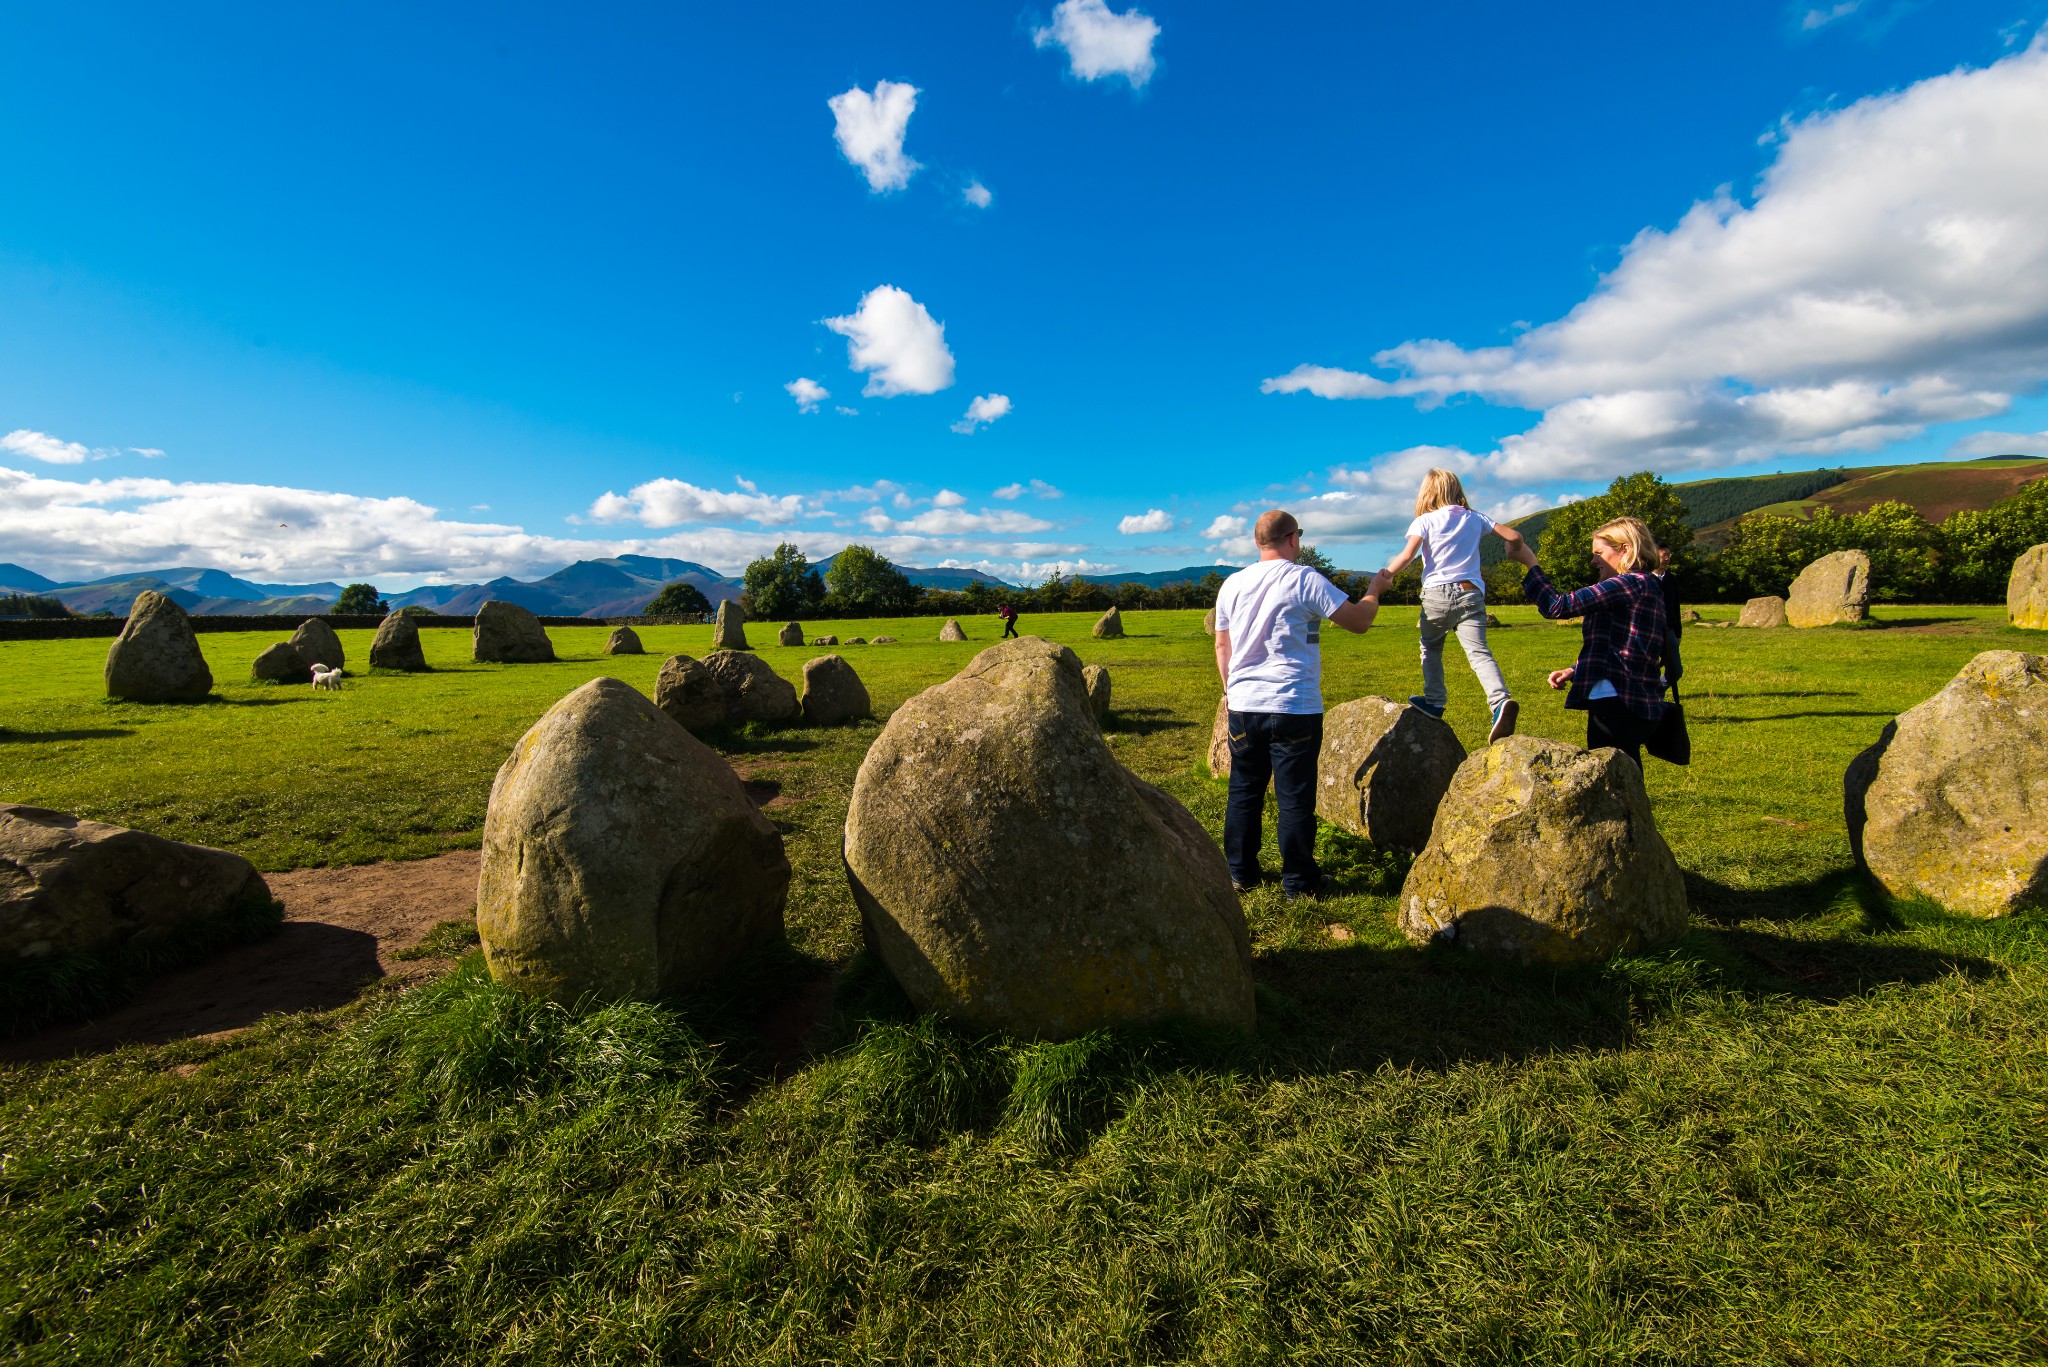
343,928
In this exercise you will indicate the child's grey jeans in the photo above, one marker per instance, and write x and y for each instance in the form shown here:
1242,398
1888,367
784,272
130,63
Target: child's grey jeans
1446,609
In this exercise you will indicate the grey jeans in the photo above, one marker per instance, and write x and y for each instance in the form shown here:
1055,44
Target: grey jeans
1445,610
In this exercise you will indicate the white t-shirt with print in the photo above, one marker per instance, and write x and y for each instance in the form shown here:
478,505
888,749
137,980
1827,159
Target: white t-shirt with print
1450,544
1273,611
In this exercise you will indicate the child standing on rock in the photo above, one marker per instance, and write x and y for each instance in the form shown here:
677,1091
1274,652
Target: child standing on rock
1446,533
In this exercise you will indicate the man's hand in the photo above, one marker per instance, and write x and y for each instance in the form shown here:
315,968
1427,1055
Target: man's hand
1561,678
1381,582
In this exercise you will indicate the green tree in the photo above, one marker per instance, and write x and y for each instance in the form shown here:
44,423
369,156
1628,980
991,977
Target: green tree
862,581
1762,556
781,585
1317,561
360,599
679,599
1565,551
1977,548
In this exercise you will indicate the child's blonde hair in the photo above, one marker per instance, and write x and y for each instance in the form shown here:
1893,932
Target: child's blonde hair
1440,489
1633,539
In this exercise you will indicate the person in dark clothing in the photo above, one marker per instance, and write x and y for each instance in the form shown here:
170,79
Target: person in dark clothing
1617,681
1009,616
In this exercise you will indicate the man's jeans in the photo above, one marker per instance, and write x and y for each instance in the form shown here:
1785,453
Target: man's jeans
1281,747
1446,609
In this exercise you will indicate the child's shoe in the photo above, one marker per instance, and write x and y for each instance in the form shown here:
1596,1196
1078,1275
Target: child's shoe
1424,705
1504,721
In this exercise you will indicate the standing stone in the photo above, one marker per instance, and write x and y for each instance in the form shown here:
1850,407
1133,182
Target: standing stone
280,663
753,690
792,634
1209,621
1110,626
69,886
856,640
1545,853
729,632
1219,739
833,693
1952,801
1383,770
1834,588
826,641
885,640
156,657
397,645
1096,678
1768,611
508,634
318,645
624,641
1013,876
951,631
2026,593
622,859
689,694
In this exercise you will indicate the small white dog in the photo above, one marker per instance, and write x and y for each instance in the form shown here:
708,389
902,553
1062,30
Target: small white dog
323,677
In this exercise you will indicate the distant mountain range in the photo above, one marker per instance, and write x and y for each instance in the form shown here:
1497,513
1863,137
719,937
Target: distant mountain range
616,587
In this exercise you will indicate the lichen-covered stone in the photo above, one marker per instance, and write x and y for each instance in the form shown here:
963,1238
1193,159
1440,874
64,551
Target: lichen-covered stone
1109,626
622,859
1545,853
729,631
1097,680
280,662
833,693
1834,588
689,694
1951,803
1219,739
1383,769
624,641
792,634
753,690
397,645
1013,876
156,657
508,634
2026,593
69,886
951,631
318,645
1209,621
1768,611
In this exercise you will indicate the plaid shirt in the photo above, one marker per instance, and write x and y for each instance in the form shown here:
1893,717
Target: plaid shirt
1624,637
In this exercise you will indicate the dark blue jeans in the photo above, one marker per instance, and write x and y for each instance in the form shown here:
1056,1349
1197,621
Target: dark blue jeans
1282,748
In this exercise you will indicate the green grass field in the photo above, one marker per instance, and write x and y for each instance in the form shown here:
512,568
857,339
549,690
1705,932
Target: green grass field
1812,1131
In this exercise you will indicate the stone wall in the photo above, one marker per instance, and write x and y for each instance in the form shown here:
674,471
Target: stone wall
71,628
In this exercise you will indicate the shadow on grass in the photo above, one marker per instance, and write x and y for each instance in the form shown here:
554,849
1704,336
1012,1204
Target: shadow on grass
1783,716
1789,693
10,737
1144,721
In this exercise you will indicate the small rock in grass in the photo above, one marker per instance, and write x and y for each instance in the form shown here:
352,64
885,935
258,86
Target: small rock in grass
825,640
1109,626
753,690
689,694
951,631
1768,611
624,641
792,634
1097,680
729,632
1834,588
1219,739
397,645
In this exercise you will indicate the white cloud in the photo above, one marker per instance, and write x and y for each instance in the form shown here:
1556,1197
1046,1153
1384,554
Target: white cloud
1154,520
977,194
1890,274
671,502
946,498
899,345
479,507
981,410
870,128
1029,572
1037,488
843,411
46,448
1979,444
807,393
1224,526
1821,18
147,452
951,521
1100,42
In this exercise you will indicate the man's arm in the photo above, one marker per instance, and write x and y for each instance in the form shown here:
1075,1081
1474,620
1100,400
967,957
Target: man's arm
1223,655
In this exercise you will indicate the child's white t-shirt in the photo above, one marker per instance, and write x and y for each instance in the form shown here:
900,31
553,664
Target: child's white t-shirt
1450,544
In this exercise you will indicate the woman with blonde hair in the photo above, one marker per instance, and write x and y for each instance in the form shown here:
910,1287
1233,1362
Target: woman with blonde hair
1446,534
1617,681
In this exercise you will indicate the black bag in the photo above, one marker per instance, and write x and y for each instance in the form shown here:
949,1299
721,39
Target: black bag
1668,740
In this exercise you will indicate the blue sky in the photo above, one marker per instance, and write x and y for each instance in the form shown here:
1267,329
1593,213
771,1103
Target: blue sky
482,290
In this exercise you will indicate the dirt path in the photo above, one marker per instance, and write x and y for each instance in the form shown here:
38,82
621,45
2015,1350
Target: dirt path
341,929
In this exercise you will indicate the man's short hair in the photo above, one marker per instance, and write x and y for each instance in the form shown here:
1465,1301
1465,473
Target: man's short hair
1274,527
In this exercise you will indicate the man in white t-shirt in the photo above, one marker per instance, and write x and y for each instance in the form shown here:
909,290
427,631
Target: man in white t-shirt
1269,651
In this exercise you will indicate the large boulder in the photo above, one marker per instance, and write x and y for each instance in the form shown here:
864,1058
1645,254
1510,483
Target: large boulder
1384,768
1834,588
1013,876
1110,626
156,657
1096,679
729,631
280,662
1952,801
1219,739
624,641
622,858
792,634
2026,593
397,645
1545,853
508,634
1768,611
753,690
69,886
689,693
318,645
833,693
951,631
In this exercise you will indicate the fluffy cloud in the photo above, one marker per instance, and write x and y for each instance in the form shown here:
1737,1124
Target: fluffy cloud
807,393
46,448
1154,520
900,347
1100,42
1891,273
870,128
1029,571
672,502
946,498
1979,444
1037,488
951,521
1821,18
977,194
981,410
